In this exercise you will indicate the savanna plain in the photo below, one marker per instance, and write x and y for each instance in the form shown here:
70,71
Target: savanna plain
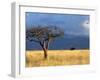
35,58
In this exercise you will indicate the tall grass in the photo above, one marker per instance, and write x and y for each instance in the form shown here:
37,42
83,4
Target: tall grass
57,57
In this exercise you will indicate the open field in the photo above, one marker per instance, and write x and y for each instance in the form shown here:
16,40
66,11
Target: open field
57,57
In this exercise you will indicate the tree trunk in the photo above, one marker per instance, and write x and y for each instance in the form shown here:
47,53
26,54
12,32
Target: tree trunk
45,53
45,49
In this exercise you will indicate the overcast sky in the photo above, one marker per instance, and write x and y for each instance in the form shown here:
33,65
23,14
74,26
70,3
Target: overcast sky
72,24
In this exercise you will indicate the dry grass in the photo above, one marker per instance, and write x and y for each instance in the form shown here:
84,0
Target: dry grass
57,57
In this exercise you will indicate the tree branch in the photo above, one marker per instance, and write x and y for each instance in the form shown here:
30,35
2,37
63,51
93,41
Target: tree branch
34,40
47,44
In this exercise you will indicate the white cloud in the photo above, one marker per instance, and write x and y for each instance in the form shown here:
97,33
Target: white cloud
86,25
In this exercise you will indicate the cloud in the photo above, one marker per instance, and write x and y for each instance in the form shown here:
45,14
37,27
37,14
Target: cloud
86,24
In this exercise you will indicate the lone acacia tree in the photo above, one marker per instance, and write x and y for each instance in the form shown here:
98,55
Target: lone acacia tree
43,36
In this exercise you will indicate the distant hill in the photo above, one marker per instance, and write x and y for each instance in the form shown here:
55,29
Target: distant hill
66,42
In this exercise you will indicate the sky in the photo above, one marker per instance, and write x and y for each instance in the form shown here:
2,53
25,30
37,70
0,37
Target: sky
73,24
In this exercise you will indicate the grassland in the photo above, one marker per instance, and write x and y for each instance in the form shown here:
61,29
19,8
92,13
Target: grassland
57,57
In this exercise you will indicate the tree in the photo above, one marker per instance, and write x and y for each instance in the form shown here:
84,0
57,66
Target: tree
43,36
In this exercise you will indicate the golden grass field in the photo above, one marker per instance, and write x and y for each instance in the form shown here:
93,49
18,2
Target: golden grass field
57,57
